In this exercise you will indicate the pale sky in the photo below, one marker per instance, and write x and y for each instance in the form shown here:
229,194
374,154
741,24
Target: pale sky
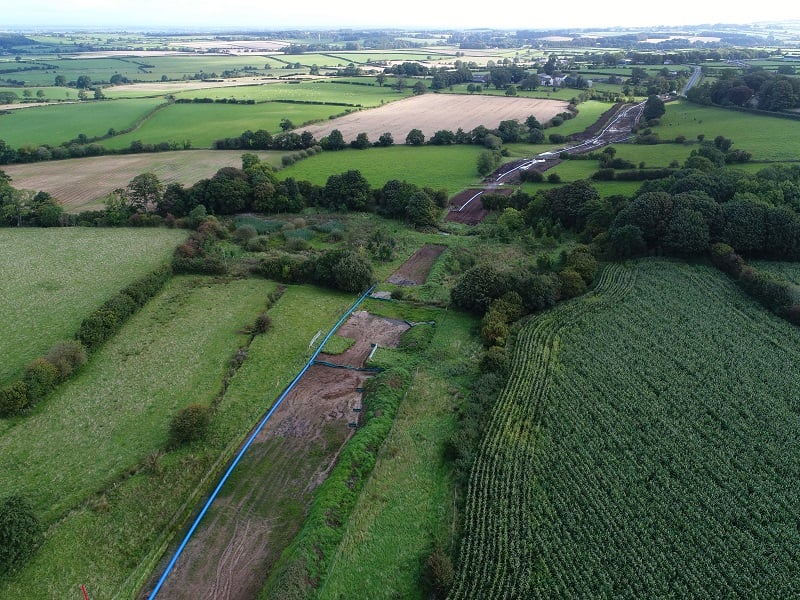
421,14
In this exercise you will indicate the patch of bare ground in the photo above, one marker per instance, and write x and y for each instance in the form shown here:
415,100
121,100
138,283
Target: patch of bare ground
432,112
262,506
466,206
415,270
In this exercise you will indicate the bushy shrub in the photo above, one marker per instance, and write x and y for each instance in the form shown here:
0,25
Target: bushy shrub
792,314
297,244
40,378
13,399
260,243
572,284
417,337
96,328
726,260
20,533
476,288
189,425
144,288
438,573
244,233
263,323
581,260
353,273
495,360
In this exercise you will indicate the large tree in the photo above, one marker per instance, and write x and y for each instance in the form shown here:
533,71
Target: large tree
654,108
415,137
334,141
348,191
144,192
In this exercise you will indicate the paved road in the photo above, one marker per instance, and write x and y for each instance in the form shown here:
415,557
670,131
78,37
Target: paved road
695,77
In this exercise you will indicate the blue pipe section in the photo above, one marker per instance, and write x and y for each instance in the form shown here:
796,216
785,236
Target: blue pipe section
258,429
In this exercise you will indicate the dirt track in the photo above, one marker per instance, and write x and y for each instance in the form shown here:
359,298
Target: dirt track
415,270
260,508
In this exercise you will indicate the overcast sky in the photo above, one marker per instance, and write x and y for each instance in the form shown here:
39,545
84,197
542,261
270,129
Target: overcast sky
422,14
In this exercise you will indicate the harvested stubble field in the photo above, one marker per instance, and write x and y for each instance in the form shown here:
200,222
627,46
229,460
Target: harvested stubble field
81,183
432,112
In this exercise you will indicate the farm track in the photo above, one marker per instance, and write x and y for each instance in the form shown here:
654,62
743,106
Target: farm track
497,559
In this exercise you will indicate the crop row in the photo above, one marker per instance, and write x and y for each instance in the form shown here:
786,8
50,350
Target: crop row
664,461
497,559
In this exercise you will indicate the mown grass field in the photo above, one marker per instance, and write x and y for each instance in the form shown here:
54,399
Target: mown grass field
766,138
450,167
201,124
669,465
53,278
320,91
61,123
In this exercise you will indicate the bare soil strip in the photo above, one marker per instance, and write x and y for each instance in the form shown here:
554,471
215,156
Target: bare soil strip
416,269
261,507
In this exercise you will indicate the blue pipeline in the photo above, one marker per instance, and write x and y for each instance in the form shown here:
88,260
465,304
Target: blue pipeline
239,456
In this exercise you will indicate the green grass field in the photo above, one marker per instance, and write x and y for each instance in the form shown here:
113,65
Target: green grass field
657,447
81,447
53,279
57,124
766,138
201,124
450,167
320,91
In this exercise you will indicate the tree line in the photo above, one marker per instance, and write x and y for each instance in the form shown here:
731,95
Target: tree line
757,88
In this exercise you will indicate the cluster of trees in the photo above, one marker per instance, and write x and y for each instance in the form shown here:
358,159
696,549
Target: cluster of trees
680,214
80,147
341,269
757,88
255,187
262,139
685,223
683,213
27,208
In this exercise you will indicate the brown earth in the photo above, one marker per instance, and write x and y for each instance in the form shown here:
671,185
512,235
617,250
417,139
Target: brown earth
415,270
466,206
432,112
262,505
